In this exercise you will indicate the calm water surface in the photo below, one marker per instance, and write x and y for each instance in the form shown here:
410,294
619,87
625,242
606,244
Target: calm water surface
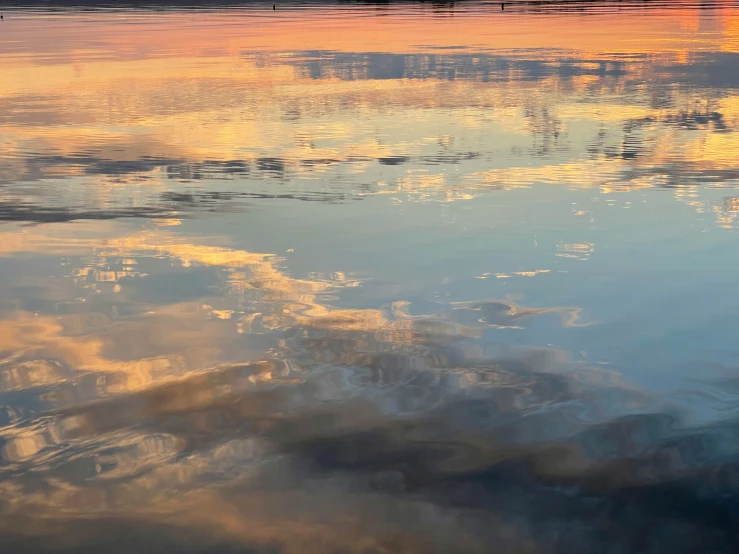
370,279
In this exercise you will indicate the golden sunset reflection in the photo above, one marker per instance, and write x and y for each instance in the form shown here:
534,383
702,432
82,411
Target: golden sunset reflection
134,97
366,278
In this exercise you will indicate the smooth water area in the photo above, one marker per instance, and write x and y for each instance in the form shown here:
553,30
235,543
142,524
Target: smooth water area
357,278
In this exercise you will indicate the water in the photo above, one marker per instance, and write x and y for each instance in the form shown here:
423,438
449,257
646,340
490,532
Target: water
370,278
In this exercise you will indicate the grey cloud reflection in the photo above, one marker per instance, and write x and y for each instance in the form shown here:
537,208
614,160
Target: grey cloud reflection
278,423
275,457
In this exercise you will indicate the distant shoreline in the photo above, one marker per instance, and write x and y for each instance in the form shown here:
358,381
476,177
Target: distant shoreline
268,3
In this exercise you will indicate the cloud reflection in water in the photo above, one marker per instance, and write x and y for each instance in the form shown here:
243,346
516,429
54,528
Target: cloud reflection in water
169,382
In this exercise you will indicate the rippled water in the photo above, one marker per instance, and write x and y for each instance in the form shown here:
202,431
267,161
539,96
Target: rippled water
393,278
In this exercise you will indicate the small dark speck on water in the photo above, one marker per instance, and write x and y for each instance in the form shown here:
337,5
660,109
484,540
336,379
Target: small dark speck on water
274,6
502,6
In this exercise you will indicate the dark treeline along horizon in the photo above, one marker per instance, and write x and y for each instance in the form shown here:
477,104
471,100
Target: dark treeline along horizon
50,4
